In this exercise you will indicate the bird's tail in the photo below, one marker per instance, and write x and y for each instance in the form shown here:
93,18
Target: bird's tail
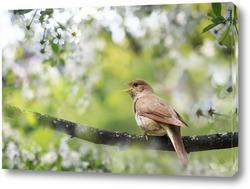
174,134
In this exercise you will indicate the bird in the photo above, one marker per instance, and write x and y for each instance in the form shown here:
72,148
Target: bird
155,115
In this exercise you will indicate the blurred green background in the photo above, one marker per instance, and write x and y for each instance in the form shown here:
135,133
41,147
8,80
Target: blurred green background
79,76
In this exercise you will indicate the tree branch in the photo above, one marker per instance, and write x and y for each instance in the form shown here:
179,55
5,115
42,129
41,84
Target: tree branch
125,140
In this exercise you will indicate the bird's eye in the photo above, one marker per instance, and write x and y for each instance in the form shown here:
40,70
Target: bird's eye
135,84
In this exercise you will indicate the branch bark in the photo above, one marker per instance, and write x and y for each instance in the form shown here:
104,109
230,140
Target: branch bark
125,140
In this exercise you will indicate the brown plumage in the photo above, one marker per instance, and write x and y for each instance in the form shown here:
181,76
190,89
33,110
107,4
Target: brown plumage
155,115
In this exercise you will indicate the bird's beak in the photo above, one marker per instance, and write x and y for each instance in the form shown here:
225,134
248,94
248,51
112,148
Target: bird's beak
126,90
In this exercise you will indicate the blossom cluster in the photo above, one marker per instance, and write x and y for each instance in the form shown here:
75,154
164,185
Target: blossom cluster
51,30
21,153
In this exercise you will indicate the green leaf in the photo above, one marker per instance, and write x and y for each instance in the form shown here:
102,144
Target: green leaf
62,61
218,20
210,14
235,12
24,11
235,19
217,9
53,63
47,60
48,12
55,48
208,27
237,32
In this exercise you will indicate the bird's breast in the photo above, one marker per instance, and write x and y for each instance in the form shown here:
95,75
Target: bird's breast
145,123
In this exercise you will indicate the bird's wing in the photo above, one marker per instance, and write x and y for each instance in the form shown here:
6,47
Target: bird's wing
158,110
180,118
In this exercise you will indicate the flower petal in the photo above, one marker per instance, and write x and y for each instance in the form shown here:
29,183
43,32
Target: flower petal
30,33
209,103
59,30
55,41
223,93
53,33
61,41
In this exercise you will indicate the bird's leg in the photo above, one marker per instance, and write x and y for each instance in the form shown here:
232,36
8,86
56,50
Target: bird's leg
167,137
146,136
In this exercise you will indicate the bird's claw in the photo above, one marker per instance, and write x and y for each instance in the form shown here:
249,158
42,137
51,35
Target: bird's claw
146,136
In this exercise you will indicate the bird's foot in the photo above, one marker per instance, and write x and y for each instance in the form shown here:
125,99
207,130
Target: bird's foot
146,136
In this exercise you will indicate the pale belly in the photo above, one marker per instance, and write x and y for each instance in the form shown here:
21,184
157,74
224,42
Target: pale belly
149,125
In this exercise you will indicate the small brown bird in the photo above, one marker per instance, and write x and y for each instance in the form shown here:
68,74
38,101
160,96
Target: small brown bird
154,115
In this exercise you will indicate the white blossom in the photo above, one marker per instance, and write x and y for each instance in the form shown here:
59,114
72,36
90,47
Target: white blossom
217,31
41,43
85,164
228,88
49,158
64,148
28,155
17,16
207,107
236,105
219,44
57,36
43,53
11,150
44,22
204,111
28,30
75,34
225,26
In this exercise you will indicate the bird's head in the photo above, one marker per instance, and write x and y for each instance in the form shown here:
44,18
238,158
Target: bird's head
139,88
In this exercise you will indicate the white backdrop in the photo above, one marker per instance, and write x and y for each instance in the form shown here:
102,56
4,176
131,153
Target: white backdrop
62,180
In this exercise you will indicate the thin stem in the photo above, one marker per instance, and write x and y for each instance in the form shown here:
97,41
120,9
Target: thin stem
214,113
226,33
44,33
68,31
60,25
218,114
206,116
32,18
